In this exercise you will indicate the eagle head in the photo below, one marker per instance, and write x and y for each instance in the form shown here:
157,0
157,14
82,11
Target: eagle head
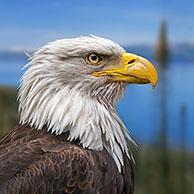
71,85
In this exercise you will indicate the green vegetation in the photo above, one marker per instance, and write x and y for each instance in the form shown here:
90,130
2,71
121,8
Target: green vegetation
149,171
162,51
8,109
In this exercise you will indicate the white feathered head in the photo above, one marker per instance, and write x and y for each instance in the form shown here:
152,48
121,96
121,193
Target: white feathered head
72,84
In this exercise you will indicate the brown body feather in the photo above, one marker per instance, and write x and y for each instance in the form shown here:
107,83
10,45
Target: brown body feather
37,162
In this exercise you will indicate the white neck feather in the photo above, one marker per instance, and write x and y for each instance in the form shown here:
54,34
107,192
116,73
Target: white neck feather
86,119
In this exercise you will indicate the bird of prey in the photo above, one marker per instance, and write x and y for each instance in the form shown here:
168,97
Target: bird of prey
70,138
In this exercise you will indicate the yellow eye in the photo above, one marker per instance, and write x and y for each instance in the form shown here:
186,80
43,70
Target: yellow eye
93,59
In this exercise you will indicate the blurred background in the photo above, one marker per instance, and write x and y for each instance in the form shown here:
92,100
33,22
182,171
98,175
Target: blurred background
161,121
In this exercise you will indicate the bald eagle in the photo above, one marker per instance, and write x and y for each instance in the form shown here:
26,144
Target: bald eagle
70,138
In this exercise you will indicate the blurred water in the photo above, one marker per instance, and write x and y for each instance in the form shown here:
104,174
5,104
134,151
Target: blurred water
11,70
140,107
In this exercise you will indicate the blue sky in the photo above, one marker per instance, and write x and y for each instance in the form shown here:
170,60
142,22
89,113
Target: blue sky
27,24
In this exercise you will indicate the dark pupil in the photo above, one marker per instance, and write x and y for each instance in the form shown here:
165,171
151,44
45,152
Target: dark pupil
94,57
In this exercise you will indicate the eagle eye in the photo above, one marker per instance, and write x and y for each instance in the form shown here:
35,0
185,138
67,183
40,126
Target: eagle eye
93,59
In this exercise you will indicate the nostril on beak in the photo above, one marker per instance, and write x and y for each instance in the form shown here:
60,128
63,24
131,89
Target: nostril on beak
131,61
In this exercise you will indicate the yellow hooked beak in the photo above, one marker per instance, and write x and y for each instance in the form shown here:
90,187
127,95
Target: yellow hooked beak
133,69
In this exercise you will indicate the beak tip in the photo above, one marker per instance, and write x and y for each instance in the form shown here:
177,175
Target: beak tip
153,87
154,83
154,78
